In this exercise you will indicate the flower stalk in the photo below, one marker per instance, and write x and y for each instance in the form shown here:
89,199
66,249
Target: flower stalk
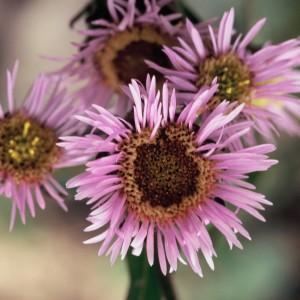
148,283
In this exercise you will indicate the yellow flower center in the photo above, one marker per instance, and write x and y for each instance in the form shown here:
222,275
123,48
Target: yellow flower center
234,78
27,149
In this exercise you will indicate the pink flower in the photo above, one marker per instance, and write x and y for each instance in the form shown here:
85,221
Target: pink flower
114,51
157,183
265,80
28,151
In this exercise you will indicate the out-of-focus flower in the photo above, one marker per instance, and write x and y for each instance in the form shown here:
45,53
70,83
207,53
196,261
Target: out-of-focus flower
28,150
159,182
114,51
265,80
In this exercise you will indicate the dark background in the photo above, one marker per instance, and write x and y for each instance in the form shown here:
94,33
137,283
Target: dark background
46,259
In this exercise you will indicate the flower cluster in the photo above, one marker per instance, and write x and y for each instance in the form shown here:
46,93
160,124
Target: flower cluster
167,118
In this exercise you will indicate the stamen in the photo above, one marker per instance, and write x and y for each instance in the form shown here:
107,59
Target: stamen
26,128
234,78
27,149
164,178
123,57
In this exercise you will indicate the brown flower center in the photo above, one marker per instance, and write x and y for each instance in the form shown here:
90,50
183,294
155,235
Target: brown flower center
123,57
234,78
27,149
165,177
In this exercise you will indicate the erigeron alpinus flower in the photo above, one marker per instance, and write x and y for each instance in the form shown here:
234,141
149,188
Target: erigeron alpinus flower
157,183
114,51
28,151
265,80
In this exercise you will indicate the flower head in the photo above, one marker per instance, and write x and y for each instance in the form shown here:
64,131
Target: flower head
264,80
116,48
158,182
28,150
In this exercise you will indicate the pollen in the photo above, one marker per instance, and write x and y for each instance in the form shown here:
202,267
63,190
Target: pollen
234,78
124,54
27,148
165,177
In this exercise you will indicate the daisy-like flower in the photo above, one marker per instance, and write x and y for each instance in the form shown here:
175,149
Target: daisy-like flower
264,80
28,150
114,51
159,182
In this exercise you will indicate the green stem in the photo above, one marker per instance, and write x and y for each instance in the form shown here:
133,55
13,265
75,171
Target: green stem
148,283
166,285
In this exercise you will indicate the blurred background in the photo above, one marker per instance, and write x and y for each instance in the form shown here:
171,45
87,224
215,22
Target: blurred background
46,259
